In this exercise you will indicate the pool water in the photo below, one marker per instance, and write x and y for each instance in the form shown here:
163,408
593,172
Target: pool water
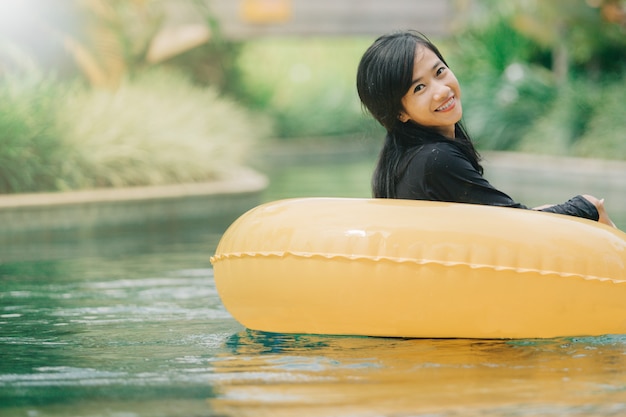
130,324
144,334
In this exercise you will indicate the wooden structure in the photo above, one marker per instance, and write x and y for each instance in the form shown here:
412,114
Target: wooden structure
251,18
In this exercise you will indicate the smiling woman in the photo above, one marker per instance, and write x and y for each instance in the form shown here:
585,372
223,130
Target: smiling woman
433,98
407,86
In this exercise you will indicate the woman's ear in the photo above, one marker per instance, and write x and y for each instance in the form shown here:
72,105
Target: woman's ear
403,117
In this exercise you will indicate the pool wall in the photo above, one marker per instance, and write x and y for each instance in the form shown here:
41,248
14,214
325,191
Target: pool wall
91,209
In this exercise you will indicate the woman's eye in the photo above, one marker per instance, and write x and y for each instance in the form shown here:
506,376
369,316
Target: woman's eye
440,70
419,88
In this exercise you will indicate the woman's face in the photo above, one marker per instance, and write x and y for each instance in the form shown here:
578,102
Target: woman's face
434,98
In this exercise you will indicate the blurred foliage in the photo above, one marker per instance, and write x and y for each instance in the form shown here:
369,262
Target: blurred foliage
558,129
139,116
531,73
305,84
118,37
159,128
538,76
500,107
603,135
147,102
31,153
501,90
114,38
581,30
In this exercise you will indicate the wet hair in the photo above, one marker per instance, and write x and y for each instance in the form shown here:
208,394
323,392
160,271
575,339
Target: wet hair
384,75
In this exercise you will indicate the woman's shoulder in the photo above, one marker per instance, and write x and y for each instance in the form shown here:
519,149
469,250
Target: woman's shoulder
441,156
439,152
443,145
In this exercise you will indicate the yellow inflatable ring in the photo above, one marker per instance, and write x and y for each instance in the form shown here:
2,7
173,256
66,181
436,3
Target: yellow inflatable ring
402,268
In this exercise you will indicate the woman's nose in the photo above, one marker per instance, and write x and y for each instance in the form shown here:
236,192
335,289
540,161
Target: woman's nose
441,92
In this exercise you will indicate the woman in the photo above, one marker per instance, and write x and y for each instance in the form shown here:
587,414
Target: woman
406,85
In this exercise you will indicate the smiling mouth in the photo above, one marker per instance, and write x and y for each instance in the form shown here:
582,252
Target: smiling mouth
447,105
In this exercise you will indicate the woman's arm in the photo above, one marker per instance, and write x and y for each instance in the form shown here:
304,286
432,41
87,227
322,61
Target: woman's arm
449,176
591,202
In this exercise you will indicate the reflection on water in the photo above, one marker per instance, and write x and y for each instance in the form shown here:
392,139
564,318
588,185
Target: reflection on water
316,376
130,324
332,376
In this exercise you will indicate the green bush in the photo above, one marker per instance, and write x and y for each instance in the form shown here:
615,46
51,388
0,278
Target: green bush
502,94
307,85
604,133
31,154
515,99
500,108
559,129
156,129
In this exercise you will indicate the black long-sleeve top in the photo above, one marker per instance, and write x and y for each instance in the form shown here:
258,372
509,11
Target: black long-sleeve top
441,172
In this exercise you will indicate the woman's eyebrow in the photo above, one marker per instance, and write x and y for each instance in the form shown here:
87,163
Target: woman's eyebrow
418,79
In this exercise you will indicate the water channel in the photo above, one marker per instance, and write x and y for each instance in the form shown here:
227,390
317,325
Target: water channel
128,323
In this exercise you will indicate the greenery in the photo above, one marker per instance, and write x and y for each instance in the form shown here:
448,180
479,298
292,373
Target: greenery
545,77
603,135
539,77
123,116
307,85
158,128
30,150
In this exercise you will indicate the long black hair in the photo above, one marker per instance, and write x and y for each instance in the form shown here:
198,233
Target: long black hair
384,75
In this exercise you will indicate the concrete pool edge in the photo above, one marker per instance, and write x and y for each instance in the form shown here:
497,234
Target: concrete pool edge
114,207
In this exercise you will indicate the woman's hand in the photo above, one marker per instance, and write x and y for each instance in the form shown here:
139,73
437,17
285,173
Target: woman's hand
604,217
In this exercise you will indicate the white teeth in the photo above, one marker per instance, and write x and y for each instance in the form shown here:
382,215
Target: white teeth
448,104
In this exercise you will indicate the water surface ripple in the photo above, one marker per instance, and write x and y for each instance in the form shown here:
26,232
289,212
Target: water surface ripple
146,335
